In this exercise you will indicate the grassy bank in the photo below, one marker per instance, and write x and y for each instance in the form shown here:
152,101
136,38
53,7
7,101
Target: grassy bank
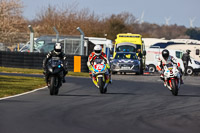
12,85
37,71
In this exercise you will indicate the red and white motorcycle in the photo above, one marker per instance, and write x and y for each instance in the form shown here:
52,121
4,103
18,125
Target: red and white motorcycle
172,78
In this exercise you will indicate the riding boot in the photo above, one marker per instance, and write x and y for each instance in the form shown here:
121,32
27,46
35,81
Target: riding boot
110,81
165,83
93,78
90,73
64,79
182,81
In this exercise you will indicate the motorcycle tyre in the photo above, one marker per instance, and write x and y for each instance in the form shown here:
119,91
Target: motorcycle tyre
105,90
174,87
101,85
53,87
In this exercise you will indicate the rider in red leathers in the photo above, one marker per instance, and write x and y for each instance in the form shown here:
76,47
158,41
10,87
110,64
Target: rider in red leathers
167,59
98,53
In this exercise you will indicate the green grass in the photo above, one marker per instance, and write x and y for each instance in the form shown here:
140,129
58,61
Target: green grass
12,85
20,70
38,71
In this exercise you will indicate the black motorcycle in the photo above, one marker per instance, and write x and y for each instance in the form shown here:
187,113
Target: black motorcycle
55,75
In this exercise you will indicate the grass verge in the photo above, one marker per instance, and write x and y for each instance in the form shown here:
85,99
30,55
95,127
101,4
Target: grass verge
12,85
38,71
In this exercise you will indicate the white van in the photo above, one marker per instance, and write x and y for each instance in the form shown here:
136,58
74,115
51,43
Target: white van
152,55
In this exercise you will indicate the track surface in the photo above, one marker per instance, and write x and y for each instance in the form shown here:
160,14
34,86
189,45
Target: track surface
133,104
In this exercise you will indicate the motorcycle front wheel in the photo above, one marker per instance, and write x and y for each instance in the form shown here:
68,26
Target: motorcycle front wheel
101,84
54,86
174,87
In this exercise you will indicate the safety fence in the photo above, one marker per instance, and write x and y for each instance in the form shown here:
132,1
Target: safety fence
34,61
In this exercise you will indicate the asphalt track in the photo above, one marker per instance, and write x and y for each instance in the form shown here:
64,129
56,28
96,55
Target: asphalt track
133,104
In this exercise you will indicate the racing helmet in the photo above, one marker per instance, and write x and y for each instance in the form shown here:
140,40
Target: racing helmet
57,48
165,54
97,50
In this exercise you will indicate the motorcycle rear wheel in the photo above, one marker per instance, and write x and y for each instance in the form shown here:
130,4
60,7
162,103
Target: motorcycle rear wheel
174,87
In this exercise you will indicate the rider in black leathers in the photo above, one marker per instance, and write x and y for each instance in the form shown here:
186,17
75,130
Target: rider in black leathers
57,52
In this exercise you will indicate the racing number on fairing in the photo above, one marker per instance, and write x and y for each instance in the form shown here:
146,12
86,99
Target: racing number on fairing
99,66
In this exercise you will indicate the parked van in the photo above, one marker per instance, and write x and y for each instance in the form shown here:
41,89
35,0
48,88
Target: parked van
153,54
131,41
128,42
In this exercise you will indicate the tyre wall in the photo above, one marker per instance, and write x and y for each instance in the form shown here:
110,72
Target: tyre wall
34,61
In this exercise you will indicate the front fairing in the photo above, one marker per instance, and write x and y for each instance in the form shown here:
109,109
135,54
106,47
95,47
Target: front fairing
54,66
171,71
100,70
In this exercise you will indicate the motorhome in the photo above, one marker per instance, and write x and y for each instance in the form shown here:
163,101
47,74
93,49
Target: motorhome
186,41
151,41
153,54
182,45
194,48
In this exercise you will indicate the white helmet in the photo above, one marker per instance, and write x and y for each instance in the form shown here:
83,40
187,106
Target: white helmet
57,48
97,50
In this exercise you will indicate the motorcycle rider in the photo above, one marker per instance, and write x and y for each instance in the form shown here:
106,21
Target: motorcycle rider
167,59
57,52
97,52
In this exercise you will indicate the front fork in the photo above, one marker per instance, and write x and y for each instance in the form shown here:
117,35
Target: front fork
177,80
105,77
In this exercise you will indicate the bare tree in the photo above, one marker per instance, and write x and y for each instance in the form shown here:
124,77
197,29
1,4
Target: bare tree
67,19
11,22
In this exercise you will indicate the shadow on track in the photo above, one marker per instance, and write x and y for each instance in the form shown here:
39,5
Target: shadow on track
70,95
189,95
120,93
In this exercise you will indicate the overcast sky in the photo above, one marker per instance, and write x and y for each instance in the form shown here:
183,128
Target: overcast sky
155,11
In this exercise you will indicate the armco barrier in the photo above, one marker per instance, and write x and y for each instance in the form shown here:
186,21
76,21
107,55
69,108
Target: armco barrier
34,61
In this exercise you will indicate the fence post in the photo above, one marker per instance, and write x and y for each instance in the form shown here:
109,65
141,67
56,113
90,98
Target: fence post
31,38
82,40
57,34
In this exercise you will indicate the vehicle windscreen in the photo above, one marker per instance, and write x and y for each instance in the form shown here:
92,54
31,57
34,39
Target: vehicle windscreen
126,56
126,48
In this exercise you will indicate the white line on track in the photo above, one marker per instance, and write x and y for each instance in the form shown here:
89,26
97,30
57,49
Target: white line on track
23,93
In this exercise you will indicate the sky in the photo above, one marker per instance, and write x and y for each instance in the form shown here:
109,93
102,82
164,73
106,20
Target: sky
179,12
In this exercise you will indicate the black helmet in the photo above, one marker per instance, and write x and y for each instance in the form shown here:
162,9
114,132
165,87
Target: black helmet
165,53
57,47
188,51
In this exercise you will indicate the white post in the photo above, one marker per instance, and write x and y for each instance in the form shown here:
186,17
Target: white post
31,38
57,34
82,40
